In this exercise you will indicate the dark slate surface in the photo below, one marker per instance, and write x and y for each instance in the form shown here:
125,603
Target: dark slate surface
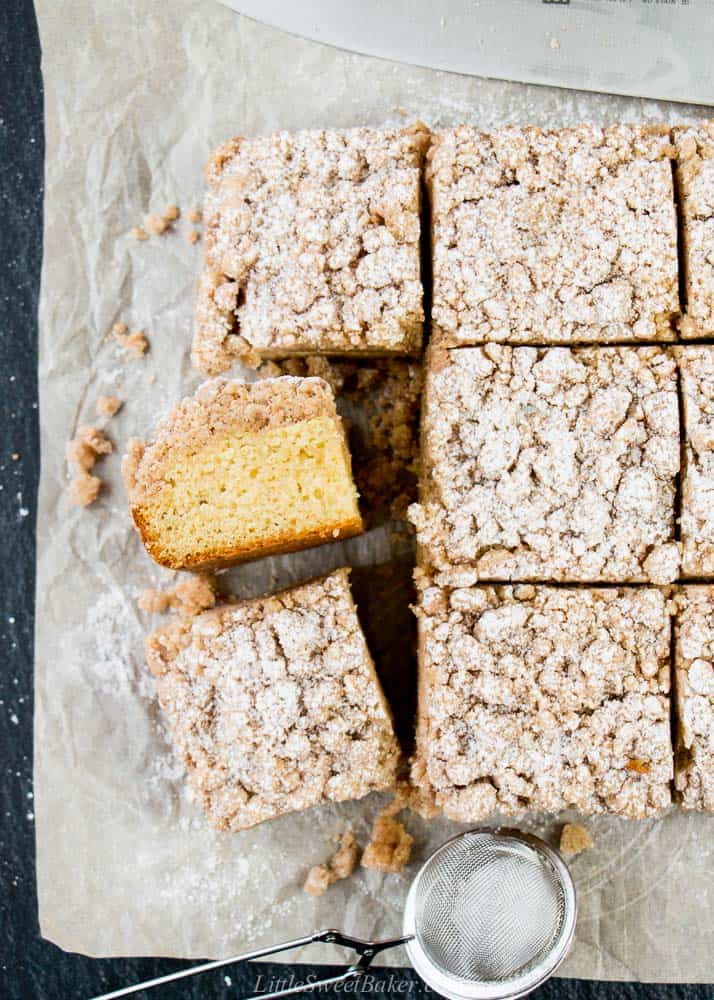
29,966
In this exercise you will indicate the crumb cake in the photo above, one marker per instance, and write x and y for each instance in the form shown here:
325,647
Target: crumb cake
543,698
553,237
312,246
241,471
274,704
694,697
696,366
695,189
551,464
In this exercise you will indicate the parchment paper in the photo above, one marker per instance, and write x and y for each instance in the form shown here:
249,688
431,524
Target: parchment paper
137,93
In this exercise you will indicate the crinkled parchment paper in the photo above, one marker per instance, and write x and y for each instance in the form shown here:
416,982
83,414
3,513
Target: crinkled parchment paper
137,93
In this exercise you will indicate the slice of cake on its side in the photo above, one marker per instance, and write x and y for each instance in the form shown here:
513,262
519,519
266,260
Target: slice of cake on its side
537,699
553,237
312,247
274,704
694,697
241,471
695,188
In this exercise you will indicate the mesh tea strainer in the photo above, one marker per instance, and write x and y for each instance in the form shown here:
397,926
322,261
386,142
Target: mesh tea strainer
489,916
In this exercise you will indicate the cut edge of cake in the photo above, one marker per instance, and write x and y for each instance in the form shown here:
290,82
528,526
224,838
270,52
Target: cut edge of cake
221,426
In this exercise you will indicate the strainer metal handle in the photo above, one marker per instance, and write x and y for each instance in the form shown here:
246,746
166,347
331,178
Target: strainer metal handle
365,951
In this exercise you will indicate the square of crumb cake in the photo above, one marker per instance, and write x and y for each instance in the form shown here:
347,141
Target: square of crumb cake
312,246
543,698
274,704
240,471
553,464
696,366
695,189
553,237
694,697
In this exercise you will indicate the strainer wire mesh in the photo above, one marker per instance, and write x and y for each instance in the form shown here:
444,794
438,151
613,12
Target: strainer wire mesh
489,909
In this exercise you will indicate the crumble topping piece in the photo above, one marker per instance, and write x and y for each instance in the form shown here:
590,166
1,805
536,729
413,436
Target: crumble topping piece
189,597
139,233
83,450
194,214
107,406
87,446
157,224
193,236
574,839
312,246
694,697
554,237
84,489
550,464
696,366
341,866
274,704
134,341
538,698
390,846
695,187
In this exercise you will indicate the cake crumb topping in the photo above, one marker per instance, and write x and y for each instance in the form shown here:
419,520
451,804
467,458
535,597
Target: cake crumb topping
108,406
390,846
84,489
190,596
574,839
341,866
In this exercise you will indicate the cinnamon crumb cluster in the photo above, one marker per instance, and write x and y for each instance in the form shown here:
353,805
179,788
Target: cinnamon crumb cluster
340,866
134,342
88,445
190,596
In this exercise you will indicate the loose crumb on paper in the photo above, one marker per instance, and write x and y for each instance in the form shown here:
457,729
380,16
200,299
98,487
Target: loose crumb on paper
107,406
194,214
193,236
390,846
340,866
83,450
84,489
139,233
188,598
133,341
87,446
574,839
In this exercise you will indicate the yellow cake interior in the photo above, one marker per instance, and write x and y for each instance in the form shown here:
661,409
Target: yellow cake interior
253,490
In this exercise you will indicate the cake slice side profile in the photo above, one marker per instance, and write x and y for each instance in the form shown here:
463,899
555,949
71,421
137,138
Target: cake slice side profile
274,704
239,471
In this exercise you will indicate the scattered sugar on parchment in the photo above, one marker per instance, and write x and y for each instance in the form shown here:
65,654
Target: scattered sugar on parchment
111,640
